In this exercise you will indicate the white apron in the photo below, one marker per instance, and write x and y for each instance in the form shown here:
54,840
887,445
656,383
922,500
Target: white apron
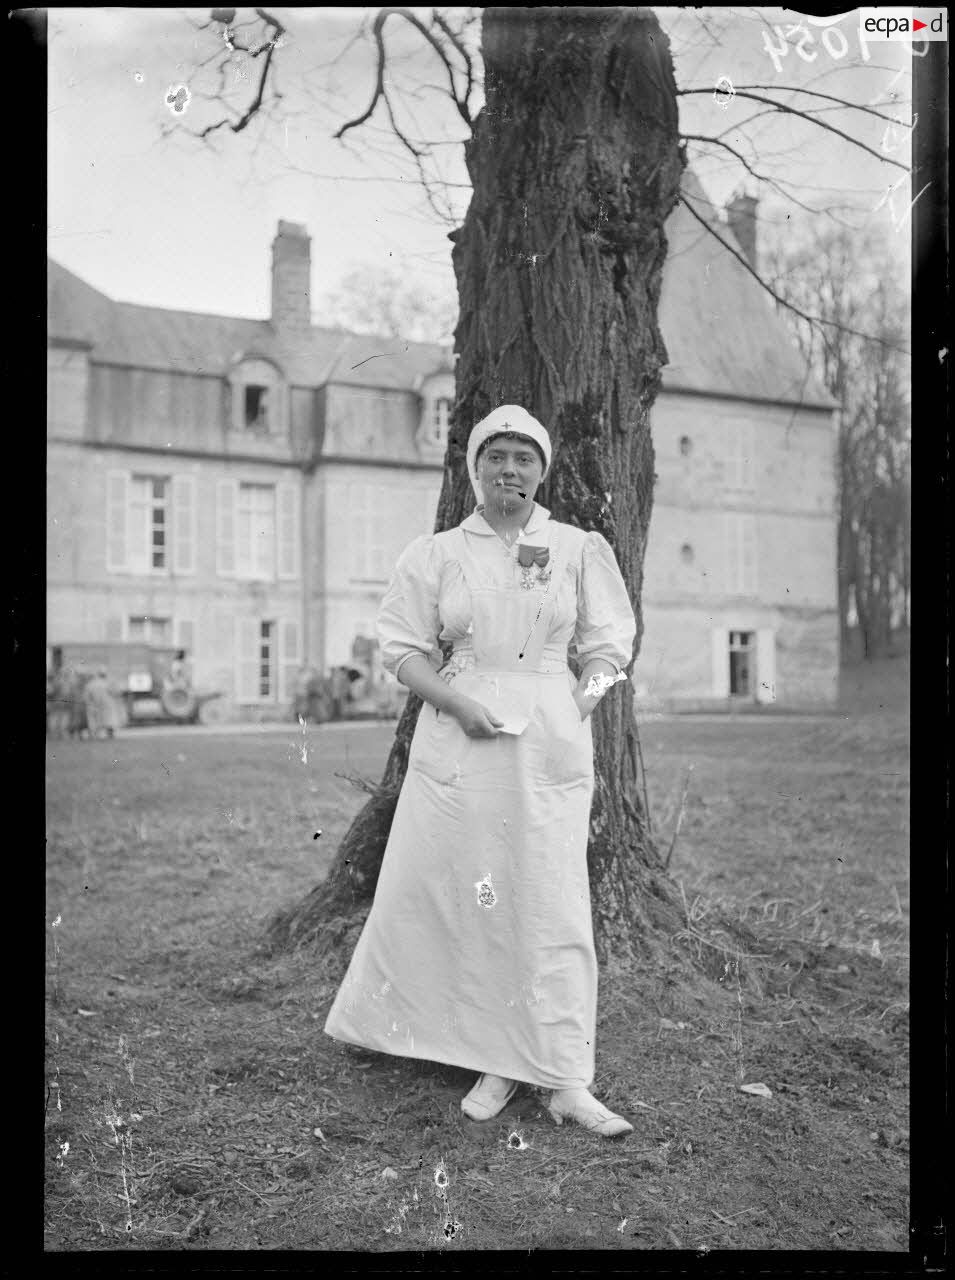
478,950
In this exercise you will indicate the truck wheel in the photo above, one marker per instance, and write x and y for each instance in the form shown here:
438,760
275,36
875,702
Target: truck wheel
179,703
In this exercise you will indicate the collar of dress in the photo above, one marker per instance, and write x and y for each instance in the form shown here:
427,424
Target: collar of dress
475,523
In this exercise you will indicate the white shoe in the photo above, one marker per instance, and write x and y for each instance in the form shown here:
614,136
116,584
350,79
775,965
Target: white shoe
583,1108
490,1095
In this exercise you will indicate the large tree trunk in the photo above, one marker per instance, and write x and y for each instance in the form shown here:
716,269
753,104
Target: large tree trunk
575,165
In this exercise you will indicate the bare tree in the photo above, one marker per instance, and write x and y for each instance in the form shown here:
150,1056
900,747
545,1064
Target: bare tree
369,300
575,159
852,279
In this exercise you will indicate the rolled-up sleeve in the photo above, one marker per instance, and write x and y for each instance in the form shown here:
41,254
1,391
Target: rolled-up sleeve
605,623
408,621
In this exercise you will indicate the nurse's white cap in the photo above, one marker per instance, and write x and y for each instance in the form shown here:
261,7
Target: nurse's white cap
506,417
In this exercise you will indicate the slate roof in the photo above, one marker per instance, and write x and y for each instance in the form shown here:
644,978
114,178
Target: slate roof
125,333
721,329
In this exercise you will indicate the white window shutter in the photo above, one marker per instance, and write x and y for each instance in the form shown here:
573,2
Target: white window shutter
358,530
732,457
290,658
288,511
185,634
748,548
227,498
721,662
117,500
746,462
247,633
765,665
731,552
184,524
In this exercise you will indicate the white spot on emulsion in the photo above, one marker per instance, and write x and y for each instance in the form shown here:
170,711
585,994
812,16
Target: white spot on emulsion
178,98
485,892
724,93
598,684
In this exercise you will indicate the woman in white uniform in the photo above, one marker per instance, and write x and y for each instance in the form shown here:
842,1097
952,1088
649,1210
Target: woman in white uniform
478,950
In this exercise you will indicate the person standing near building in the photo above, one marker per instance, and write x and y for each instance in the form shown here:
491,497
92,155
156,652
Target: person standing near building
478,950
100,708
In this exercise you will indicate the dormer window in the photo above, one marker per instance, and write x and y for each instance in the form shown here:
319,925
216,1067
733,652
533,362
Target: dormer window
436,392
440,418
256,408
259,398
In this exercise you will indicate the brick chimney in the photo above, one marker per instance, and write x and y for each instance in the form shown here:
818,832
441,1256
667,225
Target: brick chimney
291,278
741,217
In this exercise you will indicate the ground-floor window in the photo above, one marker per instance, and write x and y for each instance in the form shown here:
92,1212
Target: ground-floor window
143,628
266,659
742,654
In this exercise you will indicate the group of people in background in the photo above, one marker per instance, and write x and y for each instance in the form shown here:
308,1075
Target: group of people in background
79,706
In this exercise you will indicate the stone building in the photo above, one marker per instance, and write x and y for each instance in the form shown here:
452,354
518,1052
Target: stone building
242,488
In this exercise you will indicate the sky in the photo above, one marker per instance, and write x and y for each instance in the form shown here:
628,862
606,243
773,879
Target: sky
145,212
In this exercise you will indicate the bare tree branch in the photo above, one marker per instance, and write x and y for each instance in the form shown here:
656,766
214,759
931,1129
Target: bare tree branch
816,320
380,91
762,177
463,105
792,88
268,48
821,124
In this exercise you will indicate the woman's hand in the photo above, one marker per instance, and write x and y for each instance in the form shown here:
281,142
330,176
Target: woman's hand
475,720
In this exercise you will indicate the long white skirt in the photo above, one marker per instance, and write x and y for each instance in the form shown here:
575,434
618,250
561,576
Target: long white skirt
478,950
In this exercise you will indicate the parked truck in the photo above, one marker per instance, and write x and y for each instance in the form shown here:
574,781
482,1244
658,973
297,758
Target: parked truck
151,682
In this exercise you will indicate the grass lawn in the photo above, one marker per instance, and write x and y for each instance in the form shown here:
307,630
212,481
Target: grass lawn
193,1101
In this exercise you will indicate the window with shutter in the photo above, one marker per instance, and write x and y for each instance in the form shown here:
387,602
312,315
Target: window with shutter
255,531
117,484
146,629
747,542
247,643
359,516
747,464
765,665
742,650
226,501
289,516
290,658
148,524
741,554
186,634
721,669
184,523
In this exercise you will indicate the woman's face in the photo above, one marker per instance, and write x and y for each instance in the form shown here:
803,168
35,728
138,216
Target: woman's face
509,470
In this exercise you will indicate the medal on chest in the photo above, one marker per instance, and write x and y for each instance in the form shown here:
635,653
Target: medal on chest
534,566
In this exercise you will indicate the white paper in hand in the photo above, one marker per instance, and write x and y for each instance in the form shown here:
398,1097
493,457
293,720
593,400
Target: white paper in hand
512,724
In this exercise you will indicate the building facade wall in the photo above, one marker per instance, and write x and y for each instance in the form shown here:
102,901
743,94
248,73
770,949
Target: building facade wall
742,539
90,600
369,514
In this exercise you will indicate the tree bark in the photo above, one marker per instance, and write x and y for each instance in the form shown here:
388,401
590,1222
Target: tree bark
575,164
